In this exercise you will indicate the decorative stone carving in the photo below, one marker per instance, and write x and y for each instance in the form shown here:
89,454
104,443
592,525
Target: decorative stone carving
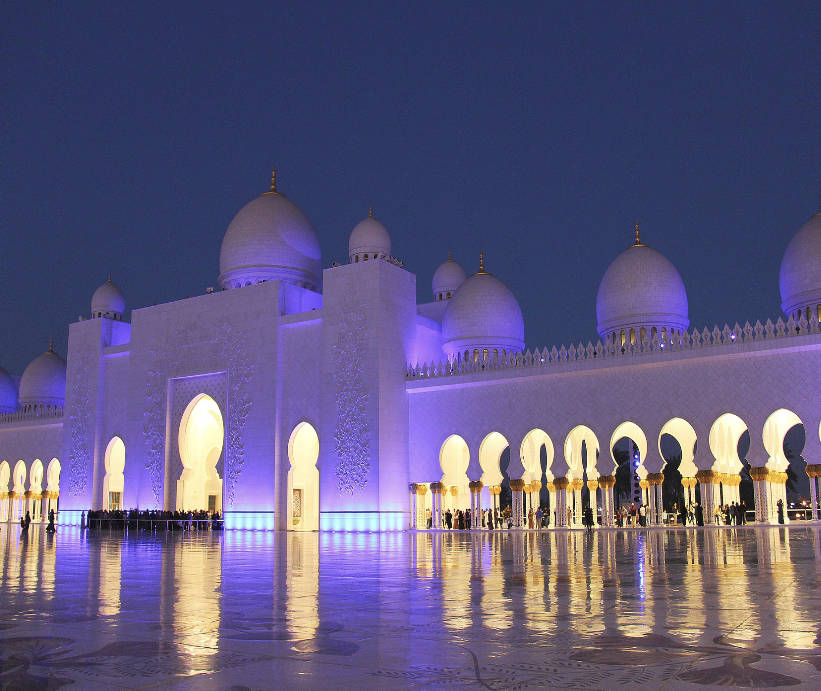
351,433
166,362
81,454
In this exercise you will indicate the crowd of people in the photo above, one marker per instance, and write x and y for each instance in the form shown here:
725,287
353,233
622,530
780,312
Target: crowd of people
153,520
627,515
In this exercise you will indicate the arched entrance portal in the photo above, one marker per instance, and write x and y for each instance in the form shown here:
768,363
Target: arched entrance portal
201,438
114,480
303,478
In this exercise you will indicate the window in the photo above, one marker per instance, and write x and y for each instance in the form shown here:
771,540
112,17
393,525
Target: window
643,333
114,501
632,336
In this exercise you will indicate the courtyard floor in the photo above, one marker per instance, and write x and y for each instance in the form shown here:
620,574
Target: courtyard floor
684,608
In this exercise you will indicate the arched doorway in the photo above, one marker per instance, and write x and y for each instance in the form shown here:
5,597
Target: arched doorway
5,501
52,493
114,480
303,478
18,491
454,458
201,438
35,490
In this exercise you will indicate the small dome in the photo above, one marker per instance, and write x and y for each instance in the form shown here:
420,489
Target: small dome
641,289
369,239
8,393
447,279
270,239
108,301
800,275
482,315
44,381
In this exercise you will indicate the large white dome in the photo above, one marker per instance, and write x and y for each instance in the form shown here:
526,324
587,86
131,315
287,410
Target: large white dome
641,289
447,279
270,239
44,381
8,393
800,275
108,301
369,240
482,315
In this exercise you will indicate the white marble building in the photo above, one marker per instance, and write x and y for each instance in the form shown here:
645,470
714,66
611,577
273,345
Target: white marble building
301,398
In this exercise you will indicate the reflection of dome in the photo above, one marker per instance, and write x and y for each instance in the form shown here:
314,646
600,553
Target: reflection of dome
483,315
270,239
447,279
108,301
8,393
44,381
641,294
369,240
800,276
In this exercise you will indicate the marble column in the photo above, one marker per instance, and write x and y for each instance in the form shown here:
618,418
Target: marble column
517,490
607,483
593,485
561,484
706,481
655,481
536,488
813,473
436,488
577,485
476,504
760,494
551,493
4,506
421,517
413,502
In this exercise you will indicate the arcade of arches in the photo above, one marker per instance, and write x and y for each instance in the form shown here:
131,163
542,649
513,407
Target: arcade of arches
30,489
709,475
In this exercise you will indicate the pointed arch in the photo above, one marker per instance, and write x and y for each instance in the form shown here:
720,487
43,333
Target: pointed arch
775,429
201,439
303,478
530,451
490,451
114,479
723,440
685,434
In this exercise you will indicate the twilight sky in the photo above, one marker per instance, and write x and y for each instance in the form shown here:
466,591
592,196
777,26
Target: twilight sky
538,132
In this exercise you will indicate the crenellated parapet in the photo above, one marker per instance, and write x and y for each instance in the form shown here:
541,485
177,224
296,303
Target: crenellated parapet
688,341
31,413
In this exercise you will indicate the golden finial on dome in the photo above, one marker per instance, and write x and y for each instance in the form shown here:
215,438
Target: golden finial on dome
637,240
482,263
273,189
370,212
51,344
450,256
109,277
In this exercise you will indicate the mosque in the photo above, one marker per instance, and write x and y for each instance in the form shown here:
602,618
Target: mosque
302,398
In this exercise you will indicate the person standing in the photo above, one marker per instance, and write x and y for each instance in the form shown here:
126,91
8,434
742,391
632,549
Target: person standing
699,515
780,506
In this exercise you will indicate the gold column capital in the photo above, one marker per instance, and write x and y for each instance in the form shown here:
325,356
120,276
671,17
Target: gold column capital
517,485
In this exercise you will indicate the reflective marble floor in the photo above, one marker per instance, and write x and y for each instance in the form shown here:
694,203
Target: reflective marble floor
672,609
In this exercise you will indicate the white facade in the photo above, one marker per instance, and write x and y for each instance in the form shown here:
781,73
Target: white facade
291,400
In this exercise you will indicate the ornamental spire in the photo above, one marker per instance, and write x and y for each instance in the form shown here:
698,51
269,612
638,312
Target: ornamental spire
482,262
370,212
51,344
450,256
273,189
637,239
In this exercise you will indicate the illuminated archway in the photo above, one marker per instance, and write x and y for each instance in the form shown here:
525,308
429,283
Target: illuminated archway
531,449
775,429
201,440
685,436
637,471
114,480
35,488
454,458
5,475
18,489
52,487
490,451
303,478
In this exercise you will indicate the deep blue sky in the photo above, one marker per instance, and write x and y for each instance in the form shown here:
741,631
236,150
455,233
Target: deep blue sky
537,132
